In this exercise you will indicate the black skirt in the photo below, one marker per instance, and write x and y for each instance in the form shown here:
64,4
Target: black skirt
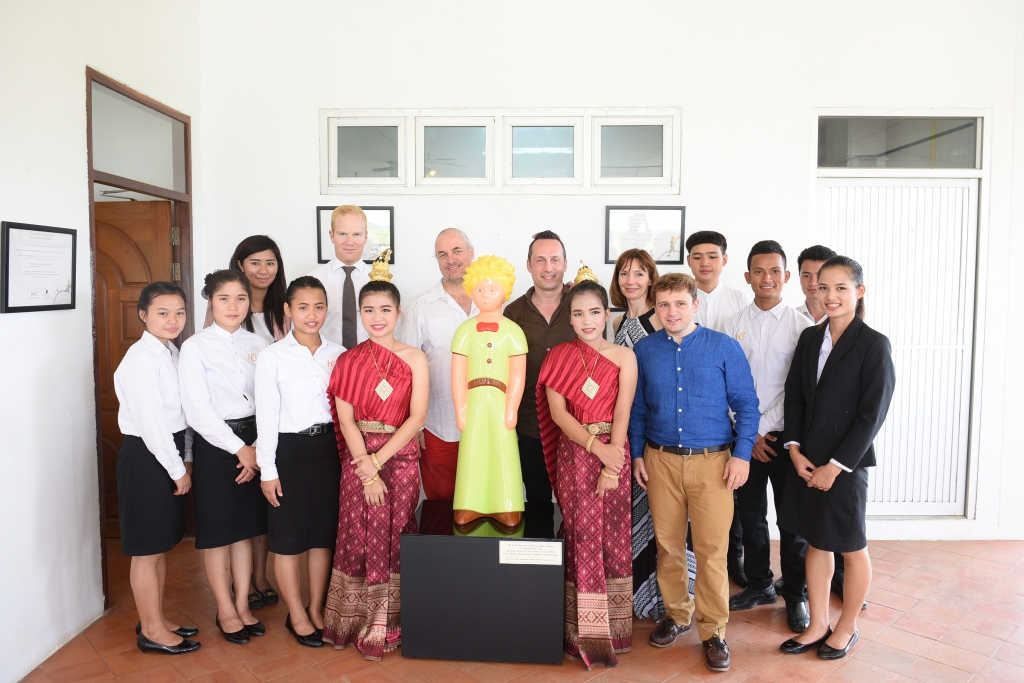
226,512
832,520
310,472
151,516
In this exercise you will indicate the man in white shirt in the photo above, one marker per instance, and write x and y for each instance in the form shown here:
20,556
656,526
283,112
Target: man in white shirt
429,324
768,331
705,254
344,276
809,263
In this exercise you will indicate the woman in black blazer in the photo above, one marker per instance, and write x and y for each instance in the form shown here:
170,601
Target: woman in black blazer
837,395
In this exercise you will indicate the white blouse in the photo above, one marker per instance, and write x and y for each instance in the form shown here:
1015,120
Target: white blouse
291,384
217,375
146,385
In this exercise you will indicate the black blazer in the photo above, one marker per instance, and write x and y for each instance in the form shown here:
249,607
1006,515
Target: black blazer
838,416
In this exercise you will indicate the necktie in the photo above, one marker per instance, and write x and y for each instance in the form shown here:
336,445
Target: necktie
348,310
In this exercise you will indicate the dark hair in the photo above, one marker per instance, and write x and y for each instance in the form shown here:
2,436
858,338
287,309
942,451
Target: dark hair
676,282
304,282
644,259
380,287
545,235
273,303
155,289
815,253
706,237
766,247
589,287
218,278
855,271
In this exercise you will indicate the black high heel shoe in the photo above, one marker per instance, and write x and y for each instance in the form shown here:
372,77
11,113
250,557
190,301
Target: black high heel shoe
255,630
183,631
826,651
795,647
185,646
309,640
240,637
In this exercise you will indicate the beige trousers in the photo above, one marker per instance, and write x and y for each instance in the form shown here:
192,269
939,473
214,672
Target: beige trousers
691,487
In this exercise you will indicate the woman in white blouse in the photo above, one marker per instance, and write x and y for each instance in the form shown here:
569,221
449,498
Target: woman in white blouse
297,454
152,466
216,371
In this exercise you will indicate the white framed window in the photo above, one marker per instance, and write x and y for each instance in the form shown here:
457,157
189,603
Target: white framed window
366,151
455,150
633,150
542,150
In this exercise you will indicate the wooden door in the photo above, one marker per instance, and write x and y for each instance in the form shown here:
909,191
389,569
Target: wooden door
133,249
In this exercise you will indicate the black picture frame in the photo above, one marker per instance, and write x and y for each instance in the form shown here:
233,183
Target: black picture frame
6,248
324,251
662,241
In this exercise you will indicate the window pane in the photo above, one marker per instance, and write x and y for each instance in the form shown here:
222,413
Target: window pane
133,141
542,151
454,151
367,151
897,142
632,151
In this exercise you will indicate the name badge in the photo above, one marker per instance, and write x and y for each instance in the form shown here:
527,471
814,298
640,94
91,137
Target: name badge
331,363
252,357
529,552
741,336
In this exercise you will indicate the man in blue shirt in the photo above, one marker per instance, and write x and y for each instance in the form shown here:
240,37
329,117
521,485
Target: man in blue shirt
687,458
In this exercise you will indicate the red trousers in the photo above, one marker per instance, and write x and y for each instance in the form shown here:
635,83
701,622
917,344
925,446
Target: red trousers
437,467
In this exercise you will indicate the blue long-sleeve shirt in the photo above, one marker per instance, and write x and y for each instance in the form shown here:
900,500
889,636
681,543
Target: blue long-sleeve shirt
684,393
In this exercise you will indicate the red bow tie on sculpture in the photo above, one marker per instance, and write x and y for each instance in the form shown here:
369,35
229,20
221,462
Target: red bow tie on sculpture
487,327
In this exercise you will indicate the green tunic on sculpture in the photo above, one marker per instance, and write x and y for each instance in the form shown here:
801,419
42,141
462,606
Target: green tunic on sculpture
489,478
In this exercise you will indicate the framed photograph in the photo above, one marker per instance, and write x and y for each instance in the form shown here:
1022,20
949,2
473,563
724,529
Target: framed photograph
380,233
657,229
37,268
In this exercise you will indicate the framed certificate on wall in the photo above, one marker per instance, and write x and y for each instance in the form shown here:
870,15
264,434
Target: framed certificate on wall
657,229
37,268
380,233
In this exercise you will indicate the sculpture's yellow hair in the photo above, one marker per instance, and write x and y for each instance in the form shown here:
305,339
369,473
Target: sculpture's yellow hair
490,268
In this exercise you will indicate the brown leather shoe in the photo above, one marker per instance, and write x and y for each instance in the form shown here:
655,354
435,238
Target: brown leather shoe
667,632
716,654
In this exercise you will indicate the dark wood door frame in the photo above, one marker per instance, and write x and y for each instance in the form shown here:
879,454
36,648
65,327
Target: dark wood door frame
181,218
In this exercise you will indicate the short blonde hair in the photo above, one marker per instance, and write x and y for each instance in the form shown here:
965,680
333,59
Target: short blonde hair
675,282
490,268
347,210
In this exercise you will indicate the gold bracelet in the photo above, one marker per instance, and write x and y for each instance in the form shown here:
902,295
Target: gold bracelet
372,481
610,476
373,457
590,442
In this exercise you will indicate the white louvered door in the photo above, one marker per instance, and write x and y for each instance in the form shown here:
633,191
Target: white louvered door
917,240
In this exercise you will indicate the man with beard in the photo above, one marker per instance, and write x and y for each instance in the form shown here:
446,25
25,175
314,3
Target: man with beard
429,324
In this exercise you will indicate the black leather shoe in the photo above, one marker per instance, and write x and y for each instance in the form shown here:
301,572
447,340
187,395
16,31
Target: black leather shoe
185,646
827,652
239,637
256,600
736,573
797,616
793,647
183,631
778,586
309,640
716,654
269,596
748,598
667,632
255,630
837,588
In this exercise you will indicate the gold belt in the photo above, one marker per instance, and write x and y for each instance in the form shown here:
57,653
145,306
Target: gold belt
596,428
487,382
375,426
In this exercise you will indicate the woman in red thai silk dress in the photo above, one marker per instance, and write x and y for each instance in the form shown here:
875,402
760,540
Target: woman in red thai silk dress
380,391
584,395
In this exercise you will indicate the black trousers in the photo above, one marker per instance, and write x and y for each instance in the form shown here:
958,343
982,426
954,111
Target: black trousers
753,511
540,511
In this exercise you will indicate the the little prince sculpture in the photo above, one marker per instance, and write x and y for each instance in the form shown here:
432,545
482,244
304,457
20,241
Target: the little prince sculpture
488,379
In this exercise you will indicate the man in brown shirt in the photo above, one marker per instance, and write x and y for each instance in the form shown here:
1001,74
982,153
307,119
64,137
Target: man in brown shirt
543,313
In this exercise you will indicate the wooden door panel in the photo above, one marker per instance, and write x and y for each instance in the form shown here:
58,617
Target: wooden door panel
133,249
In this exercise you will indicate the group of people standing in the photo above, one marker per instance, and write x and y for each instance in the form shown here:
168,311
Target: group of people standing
667,433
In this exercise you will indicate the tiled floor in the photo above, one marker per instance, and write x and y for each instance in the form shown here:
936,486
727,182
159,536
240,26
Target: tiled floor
940,612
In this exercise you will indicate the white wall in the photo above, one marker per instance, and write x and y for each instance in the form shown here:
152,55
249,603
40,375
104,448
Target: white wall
50,558
746,75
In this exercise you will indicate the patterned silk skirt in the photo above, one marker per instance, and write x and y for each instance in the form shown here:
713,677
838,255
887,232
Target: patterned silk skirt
364,598
598,558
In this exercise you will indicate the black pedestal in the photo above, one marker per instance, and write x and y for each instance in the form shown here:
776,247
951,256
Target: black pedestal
460,601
